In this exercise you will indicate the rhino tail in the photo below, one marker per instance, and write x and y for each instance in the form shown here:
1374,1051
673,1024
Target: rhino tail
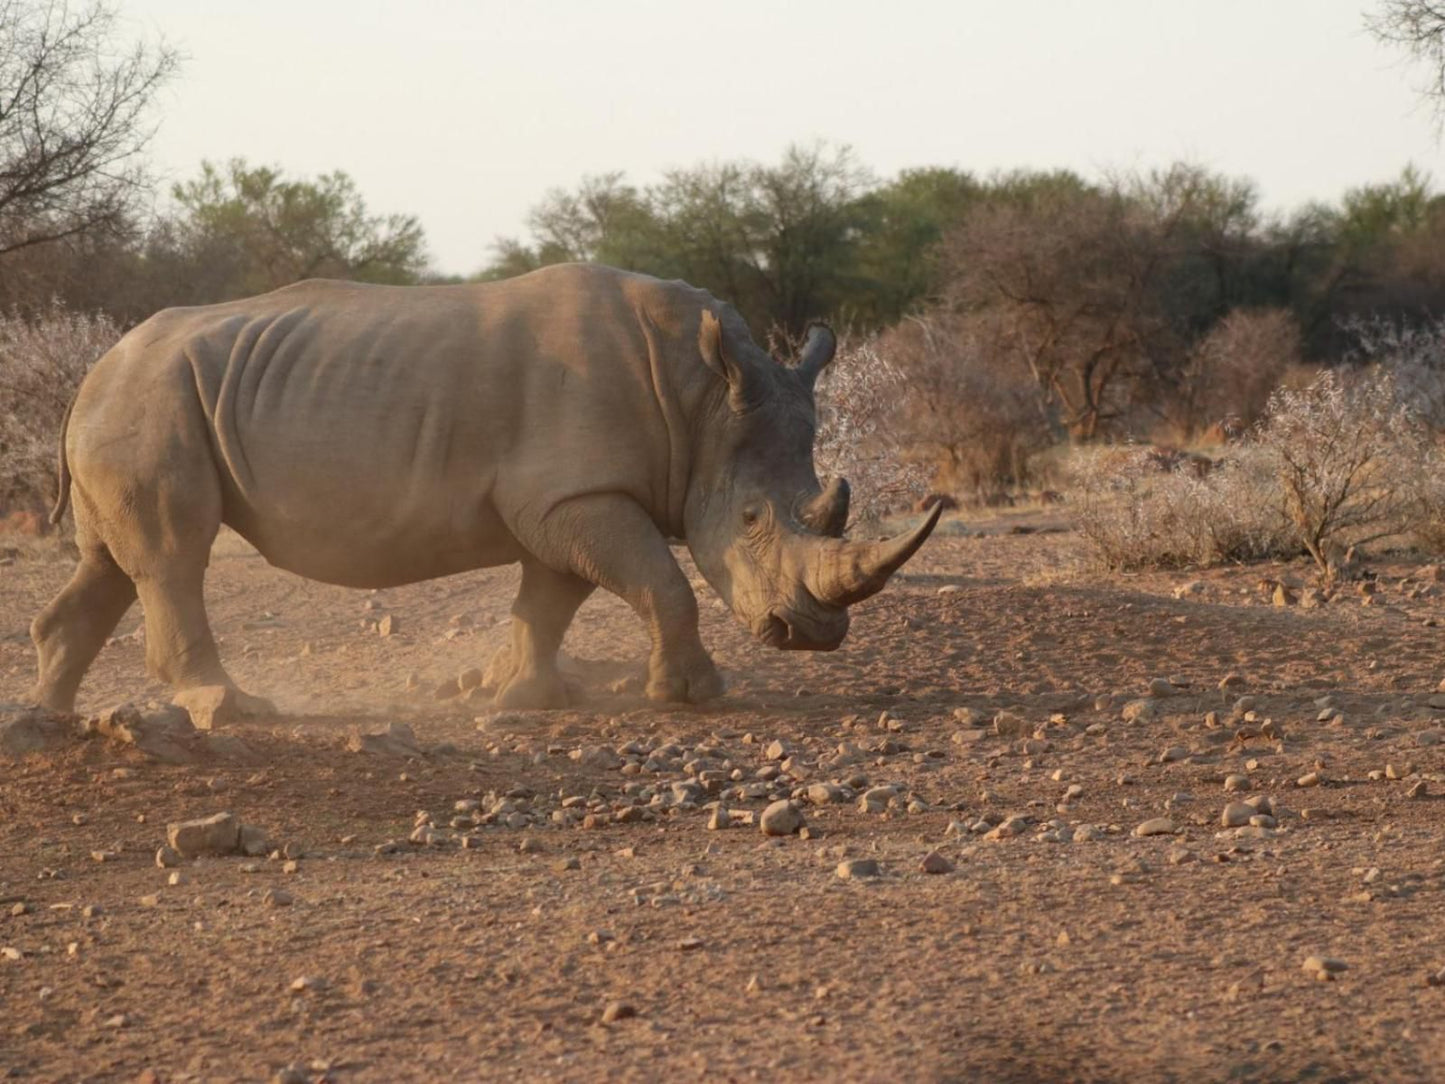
62,498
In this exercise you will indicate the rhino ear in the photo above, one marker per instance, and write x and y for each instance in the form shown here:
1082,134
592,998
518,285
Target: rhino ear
743,392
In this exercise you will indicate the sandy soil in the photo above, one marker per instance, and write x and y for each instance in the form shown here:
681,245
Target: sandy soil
1172,957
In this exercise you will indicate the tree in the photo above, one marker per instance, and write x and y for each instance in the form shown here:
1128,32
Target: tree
248,229
781,242
73,121
1418,27
1059,284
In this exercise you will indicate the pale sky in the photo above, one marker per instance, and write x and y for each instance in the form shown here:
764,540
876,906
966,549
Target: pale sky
465,113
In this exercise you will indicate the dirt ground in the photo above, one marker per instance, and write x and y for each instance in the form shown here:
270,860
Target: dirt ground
493,952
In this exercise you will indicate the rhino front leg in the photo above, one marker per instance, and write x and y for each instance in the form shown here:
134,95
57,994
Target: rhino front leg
526,670
610,541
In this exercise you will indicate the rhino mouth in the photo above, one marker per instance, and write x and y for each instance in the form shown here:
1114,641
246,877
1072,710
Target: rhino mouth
788,631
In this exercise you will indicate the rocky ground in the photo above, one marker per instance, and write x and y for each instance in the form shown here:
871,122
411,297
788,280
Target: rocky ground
1038,824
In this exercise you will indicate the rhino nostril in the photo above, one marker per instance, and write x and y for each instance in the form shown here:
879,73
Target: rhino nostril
774,631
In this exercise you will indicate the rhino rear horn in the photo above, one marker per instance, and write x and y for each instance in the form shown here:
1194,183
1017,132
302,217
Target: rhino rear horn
827,513
842,573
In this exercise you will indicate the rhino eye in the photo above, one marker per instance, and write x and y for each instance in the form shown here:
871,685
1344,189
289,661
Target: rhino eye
750,517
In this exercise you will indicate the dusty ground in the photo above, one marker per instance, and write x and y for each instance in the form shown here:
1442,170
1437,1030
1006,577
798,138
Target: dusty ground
1162,958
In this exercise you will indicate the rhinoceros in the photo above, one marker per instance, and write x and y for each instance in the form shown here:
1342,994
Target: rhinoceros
574,420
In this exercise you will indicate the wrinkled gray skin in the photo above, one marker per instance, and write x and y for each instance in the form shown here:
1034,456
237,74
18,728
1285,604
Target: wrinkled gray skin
572,419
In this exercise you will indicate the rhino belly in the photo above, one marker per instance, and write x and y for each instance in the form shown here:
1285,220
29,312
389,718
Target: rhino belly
352,548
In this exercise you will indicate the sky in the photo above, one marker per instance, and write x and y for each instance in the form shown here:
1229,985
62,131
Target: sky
466,112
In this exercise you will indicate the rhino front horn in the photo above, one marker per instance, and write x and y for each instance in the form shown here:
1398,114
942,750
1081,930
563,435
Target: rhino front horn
843,573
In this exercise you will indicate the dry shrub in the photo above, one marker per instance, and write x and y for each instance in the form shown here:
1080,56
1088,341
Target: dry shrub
980,424
1415,357
1345,454
1232,371
858,436
42,360
1136,515
1334,464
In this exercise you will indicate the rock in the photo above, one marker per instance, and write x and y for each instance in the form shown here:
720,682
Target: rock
252,841
782,818
1008,725
853,868
1159,688
933,862
776,750
1437,700
720,818
617,1010
218,834
1236,814
1325,968
1008,828
1173,753
394,740
469,679
1283,596
598,757
34,731
1156,826
210,706
1188,590
1419,790
168,736
168,857
388,625
277,897
1236,782
1140,711
875,799
1309,779
824,793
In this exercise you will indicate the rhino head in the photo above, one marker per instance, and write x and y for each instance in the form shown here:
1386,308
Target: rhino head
762,530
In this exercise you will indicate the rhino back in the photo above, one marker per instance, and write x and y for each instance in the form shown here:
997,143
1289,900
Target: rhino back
370,435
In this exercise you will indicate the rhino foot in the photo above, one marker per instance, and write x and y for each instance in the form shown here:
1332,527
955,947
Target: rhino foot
535,692
687,685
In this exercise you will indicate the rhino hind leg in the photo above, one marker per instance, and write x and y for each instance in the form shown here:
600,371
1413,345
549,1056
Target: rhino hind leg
158,522
525,671
70,632
610,541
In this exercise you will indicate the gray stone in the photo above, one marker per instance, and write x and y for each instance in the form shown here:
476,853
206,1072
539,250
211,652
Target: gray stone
168,857
824,793
1156,826
1236,814
252,841
1325,967
933,862
218,834
782,818
394,739
1140,711
854,868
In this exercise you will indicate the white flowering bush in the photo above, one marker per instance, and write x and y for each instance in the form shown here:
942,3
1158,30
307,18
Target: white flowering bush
859,436
1337,463
1345,453
42,360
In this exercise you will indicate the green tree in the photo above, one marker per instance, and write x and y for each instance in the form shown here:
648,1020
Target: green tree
250,229
779,241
